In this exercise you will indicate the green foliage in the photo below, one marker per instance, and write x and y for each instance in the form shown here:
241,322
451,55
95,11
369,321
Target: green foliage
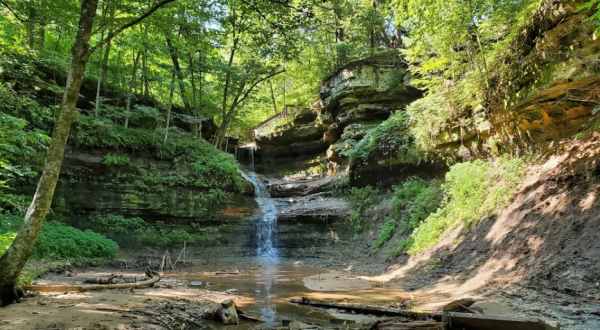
151,181
472,192
341,185
389,139
362,199
208,167
112,223
449,49
412,203
59,241
17,145
112,159
594,6
135,231
385,233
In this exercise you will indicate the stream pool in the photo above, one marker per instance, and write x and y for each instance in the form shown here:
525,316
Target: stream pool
266,289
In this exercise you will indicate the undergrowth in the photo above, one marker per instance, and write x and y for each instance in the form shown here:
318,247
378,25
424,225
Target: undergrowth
59,241
362,199
389,139
472,192
157,234
412,202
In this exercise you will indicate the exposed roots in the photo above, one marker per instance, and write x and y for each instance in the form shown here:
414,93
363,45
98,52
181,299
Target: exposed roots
11,293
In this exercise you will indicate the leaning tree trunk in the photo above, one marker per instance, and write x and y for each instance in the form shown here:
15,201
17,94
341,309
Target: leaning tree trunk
14,259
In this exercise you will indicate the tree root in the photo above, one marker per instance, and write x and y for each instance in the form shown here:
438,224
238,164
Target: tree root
11,293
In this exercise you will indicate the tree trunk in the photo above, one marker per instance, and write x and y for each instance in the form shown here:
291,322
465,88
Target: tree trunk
30,35
145,72
99,84
104,73
200,92
186,102
273,97
30,26
117,71
41,37
16,256
131,87
58,39
169,106
195,102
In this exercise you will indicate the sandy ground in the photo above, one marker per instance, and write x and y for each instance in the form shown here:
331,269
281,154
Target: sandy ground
82,310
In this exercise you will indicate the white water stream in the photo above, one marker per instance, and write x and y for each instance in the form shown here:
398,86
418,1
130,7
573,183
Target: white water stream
266,222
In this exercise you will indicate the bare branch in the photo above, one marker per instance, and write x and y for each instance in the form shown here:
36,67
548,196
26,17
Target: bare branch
128,25
15,13
272,74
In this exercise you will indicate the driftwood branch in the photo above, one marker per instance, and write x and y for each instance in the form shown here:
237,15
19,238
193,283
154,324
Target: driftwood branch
364,309
153,279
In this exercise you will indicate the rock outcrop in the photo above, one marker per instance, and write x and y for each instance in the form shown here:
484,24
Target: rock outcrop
367,91
353,101
295,149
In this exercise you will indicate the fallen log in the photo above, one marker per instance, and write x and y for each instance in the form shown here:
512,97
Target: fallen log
44,288
414,325
100,280
365,309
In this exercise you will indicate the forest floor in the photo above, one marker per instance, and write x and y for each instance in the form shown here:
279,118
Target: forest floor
106,309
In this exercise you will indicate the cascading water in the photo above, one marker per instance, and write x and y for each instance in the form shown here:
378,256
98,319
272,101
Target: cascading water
266,223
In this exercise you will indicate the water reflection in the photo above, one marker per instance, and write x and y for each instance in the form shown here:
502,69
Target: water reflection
268,309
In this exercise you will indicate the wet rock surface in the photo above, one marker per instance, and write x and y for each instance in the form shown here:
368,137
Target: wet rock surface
320,206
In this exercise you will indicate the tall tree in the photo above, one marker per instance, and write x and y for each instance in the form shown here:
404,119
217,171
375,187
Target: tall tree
13,260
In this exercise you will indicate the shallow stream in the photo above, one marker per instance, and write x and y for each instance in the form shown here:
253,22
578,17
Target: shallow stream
266,289
269,284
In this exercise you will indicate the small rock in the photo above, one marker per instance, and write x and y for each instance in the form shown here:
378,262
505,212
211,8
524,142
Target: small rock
596,312
196,283
227,303
458,305
227,313
300,326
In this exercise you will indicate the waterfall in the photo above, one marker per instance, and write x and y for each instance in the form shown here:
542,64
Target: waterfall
265,223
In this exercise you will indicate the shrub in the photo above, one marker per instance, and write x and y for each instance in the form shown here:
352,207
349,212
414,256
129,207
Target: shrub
58,241
18,144
472,192
385,233
112,223
412,202
112,159
389,139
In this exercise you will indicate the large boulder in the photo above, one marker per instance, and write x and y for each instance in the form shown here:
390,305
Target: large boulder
369,89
